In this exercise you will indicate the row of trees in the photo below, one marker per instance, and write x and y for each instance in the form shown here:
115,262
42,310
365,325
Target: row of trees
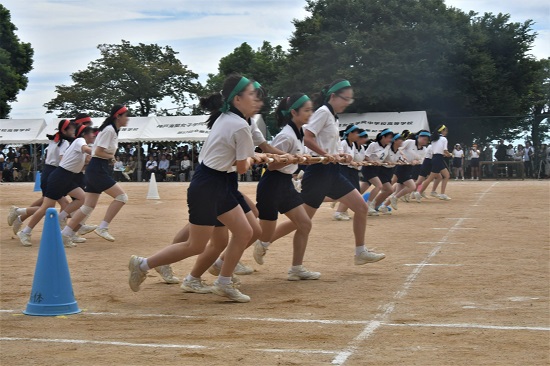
472,72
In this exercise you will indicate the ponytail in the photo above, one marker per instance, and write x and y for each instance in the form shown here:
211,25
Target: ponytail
219,103
117,110
437,133
59,136
336,87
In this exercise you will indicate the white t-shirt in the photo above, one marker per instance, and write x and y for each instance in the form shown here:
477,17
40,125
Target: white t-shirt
458,153
439,146
474,154
107,139
229,140
74,158
526,152
185,164
346,149
394,157
151,164
324,125
429,152
118,166
288,141
54,152
257,135
360,154
376,152
411,152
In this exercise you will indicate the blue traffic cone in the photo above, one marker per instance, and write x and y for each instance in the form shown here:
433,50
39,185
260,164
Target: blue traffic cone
37,182
52,289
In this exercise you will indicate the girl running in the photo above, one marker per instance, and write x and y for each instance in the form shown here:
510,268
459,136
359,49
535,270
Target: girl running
439,148
62,182
378,176
321,137
347,146
210,197
59,143
99,178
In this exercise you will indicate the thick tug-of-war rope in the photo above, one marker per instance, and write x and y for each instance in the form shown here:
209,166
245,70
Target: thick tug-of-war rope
308,160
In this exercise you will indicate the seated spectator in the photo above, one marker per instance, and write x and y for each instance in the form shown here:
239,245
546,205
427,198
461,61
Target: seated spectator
118,168
129,169
27,168
150,168
16,170
163,167
7,173
2,162
185,168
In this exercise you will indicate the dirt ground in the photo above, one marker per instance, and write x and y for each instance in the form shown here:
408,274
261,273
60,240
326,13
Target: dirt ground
465,282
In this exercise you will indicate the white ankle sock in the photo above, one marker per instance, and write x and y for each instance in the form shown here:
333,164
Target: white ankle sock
360,249
191,278
143,265
265,244
224,280
296,268
219,263
63,215
21,211
27,230
104,225
19,219
67,231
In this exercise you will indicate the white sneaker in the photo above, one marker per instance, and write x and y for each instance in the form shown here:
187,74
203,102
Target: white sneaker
444,197
214,270
243,270
345,214
463,178
418,197
197,286
393,202
104,233
472,178
12,215
423,194
230,291
78,239
67,241
137,276
86,229
434,194
25,239
167,274
340,216
372,211
456,178
407,198
368,257
259,252
302,274
384,210
17,225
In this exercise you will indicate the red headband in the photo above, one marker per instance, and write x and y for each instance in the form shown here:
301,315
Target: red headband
121,111
80,129
83,120
63,128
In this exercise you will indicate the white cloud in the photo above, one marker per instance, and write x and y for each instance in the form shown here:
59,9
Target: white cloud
65,33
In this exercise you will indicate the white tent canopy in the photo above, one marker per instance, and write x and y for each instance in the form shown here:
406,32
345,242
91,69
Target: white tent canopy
20,131
373,123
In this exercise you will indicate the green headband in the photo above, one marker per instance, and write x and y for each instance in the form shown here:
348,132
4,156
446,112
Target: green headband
257,85
296,105
341,85
236,90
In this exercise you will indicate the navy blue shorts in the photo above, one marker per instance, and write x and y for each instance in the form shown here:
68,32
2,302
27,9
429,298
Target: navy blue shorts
322,181
276,193
426,167
60,183
415,171
352,175
474,163
438,164
369,172
385,174
457,162
234,189
99,176
80,179
48,169
209,196
404,173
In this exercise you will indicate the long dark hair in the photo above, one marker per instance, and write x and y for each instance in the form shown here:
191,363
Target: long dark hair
83,130
110,121
214,102
319,99
59,136
436,134
282,118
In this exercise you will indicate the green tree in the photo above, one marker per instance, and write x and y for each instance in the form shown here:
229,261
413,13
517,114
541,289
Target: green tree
15,62
138,75
415,55
266,65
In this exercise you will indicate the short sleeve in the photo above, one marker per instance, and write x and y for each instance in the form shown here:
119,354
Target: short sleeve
244,146
105,137
283,143
317,122
257,135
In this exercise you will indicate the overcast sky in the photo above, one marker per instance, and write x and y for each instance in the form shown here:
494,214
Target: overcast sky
65,33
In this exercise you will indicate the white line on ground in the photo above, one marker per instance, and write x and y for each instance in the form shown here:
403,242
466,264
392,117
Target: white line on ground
454,228
370,328
477,326
437,242
433,264
160,345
